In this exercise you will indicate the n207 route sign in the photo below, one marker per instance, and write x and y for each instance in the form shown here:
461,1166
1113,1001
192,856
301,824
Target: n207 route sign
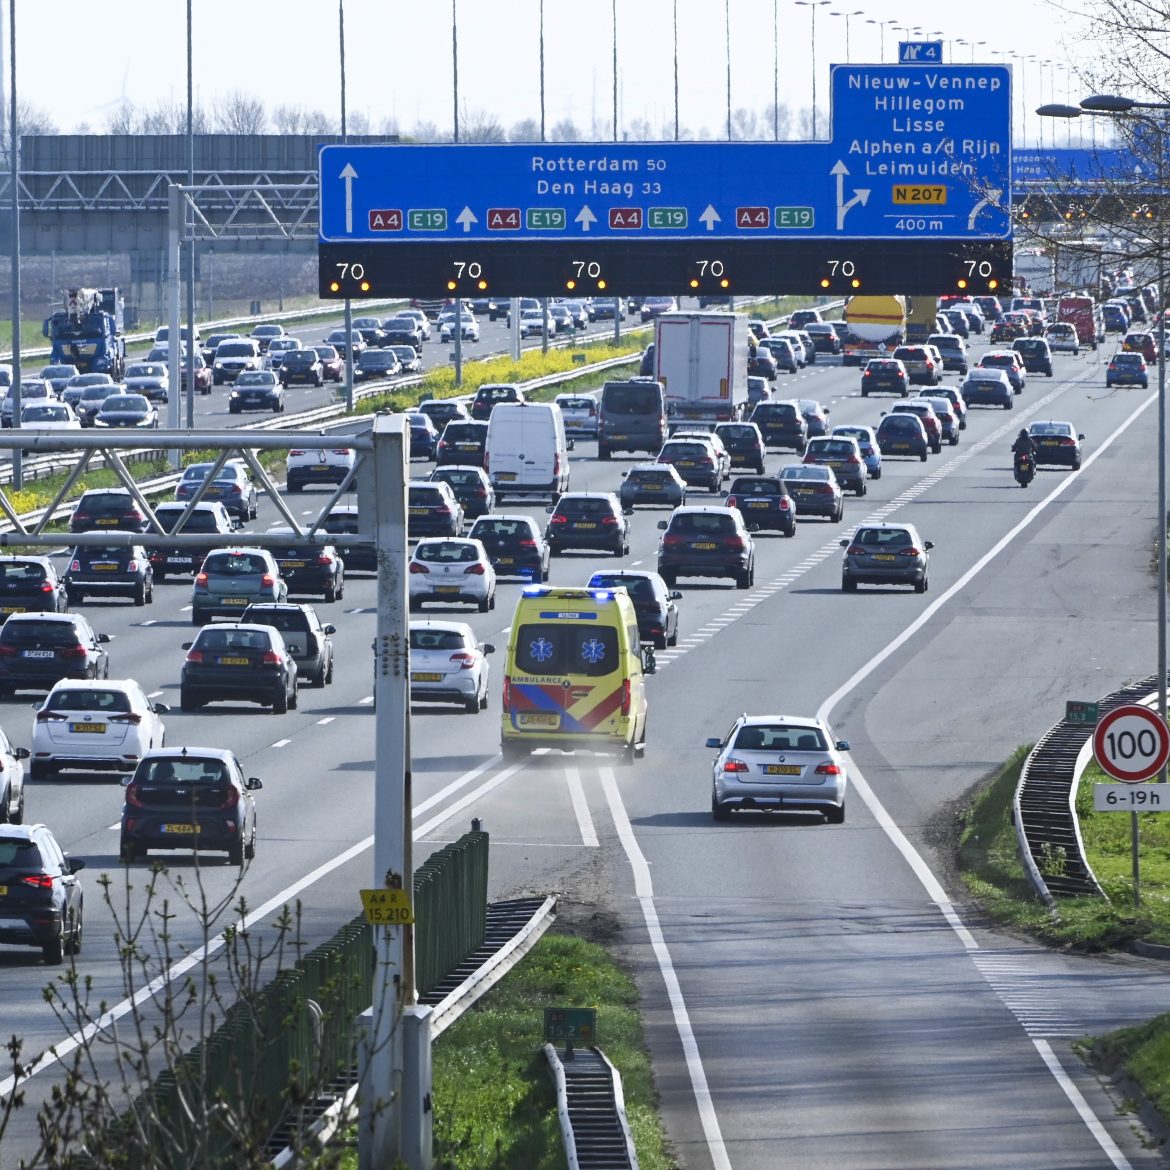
1131,743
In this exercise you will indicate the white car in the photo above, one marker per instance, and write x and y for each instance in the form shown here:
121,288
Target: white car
452,569
781,763
448,665
470,328
1062,338
532,323
95,725
50,416
329,465
799,349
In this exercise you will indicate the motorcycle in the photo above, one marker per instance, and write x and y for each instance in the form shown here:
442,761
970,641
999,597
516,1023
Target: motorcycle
1024,468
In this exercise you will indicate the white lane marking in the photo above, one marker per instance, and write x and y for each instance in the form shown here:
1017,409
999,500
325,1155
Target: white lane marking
327,719
898,839
185,609
149,622
366,701
155,694
281,743
644,892
633,564
116,825
580,806
471,797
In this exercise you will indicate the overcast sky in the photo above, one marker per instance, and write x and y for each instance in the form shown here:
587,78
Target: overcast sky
399,55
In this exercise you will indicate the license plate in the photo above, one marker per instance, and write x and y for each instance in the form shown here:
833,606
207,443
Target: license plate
188,829
292,564
3,891
506,476
93,728
782,769
12,609
425,676
235,601
446,588
505,560
467,446
899,446
619,436
420,511
884,557
232,661
684,463
529,719
107,521
703,544
1049,442
757,503
178,560
585,524
103,567
834,463
652,487
38,654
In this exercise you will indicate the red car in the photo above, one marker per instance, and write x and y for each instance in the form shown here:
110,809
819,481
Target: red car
332,364
1142,343
202,375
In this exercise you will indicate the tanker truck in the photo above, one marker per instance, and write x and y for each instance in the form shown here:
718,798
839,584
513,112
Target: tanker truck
875,326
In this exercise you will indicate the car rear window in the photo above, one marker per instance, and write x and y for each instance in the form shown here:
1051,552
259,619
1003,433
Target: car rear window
702,522
421,639
685,451
183,771
883,538
586,507
88,700
831,447
20,573
756,487
810,472
639,588
1001,360
426,497
779,738
280,619
446,552
19,855
631,399
39,632
234,564
778,410
558,649
458,478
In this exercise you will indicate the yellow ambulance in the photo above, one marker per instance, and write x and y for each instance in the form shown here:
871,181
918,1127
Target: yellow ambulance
575,673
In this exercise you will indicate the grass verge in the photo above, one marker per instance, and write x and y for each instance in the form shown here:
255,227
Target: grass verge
495,1104
1140,1054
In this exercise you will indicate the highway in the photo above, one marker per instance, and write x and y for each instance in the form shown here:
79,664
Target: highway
812,997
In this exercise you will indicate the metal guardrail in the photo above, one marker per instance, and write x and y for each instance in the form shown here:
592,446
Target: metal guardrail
1044,805
591,1111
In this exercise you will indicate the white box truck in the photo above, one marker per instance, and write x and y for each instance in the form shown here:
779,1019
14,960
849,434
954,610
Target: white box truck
701,361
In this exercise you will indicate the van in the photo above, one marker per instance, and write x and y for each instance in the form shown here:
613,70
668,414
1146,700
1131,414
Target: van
575,671
631,417
526,452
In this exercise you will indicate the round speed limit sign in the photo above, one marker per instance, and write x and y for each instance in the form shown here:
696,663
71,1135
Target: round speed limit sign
1131,743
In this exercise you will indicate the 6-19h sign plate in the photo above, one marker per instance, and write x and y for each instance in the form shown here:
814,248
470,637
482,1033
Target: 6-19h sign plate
1131,743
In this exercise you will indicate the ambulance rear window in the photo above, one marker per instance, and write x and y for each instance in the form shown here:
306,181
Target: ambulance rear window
548,648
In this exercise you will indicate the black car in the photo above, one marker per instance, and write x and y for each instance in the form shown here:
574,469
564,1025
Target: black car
101,508
43,900
110,571
432,510
588,520
885,376
424,439
824,337
744,444
814,490
490,395
191,798
764,503
371,331
695,462
376,363
401,336
309,568
39,649
301,365
652,483
236,661
781,424
706,542
256,390
902,434
341,522
653,603
442,411
307,640
514,546
208,516
30,583
1035,354
471,486
462,443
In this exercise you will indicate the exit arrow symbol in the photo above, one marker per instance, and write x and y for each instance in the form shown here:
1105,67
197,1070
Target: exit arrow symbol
466,217
860,194
710,217
585,217
992,200
348,174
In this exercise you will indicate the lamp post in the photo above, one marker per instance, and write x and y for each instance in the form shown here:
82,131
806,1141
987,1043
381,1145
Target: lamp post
812,6
1116,106
881,27
847,15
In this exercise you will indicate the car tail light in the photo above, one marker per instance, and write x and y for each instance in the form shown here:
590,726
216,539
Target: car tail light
827,770
230,798
84,517
611,520
868,374
825,487
46,587
267,580
529,543
909,552
201,579
132,797
77,651
128,717
734,766
477,569
507,695
298,452
415,567
480,493
132,567
785,503
735,543
341,451
559,519
466,661
626,694
135,515
194,655
732,502
271,658
557,464
1068,442
324,559
673,541
51,717
38,881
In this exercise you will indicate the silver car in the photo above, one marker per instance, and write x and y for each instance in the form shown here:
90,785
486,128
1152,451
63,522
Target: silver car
886,554
231,579
779,763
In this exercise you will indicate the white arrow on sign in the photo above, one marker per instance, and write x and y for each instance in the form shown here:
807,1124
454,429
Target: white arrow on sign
710,217
585,217
466,217
348,174
992,200
860,194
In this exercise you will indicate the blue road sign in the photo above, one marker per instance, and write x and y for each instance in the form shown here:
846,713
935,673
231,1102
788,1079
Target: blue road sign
1069,171
916,151
920,52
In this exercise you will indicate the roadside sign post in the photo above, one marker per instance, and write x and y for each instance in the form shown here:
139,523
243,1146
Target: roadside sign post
1082,712
569,1026
1132,743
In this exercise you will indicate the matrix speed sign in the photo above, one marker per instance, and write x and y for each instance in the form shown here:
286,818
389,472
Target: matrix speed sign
1131,743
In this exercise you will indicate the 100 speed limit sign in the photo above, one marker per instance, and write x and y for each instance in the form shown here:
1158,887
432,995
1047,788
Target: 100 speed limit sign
1131,743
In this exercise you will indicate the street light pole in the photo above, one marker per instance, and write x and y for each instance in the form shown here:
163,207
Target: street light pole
812,6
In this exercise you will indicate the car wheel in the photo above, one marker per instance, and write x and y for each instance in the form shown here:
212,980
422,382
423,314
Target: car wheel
140,595
485,604
128,851
1008,404
250,848
53,952
471,706
848,584
236,853
40,770
280,702
160,575
922,586
187,701
74,597
864,392
936,448
330,594
743,580
672,639
198,619
73,947
839,515
922,457
719,812
861,488
294,700
602,452
669,579
1076,465
835,815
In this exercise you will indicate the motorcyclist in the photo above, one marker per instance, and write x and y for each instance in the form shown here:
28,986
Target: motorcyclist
1024,446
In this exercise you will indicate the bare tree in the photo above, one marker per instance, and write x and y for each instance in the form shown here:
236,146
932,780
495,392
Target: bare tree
301,120
480,126
745,125
639,130
428,132
526,130
1133,38
240,113
565,131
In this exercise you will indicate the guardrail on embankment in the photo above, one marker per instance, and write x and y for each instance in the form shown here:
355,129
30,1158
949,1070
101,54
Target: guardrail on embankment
1044,807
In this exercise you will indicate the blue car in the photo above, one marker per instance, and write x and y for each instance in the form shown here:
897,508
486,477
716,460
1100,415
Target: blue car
867,441
424,438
